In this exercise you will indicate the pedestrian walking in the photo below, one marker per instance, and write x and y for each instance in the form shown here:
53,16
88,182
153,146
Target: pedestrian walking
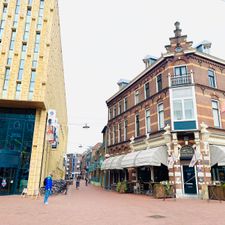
48,188
66,188
86,181
77,182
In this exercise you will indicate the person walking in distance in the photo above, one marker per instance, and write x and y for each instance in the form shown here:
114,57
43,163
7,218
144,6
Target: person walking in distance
48,188
77,182
86,181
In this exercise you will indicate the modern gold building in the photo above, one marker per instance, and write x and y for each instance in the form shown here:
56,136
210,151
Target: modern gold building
31,85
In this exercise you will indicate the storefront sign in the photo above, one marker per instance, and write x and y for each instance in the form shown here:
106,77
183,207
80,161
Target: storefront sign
186,152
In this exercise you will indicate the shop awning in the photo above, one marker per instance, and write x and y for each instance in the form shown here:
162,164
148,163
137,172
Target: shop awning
152,157
217,155
106,163
129,159
116,163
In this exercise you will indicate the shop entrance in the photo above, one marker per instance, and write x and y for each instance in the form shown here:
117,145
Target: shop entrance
189,180
7,181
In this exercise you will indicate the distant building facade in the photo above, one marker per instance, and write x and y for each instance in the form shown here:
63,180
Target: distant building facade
70,166
168,123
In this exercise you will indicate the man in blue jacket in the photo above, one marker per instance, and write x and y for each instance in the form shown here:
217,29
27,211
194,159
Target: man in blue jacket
48,188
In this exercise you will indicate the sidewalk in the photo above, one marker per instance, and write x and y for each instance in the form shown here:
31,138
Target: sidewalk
94,206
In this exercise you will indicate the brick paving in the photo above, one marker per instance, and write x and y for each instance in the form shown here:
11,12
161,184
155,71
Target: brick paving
94,206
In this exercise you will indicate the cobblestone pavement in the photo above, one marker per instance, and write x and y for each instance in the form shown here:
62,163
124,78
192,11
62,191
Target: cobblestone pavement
94,206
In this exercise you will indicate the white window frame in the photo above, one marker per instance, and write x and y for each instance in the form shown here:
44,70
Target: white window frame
124,104
214,73
119,132
157,89
160,128
120,109
183,65
146,127
136,97
114,111
219,115
109,137
136,125
145,89
125,130
194,102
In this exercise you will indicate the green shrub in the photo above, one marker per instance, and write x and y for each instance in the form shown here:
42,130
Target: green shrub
118,186
123,188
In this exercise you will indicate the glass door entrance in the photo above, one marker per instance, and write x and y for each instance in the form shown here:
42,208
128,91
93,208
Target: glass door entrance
189,180
7,176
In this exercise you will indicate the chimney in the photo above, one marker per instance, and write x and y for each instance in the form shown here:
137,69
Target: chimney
122,83
149,60
204,47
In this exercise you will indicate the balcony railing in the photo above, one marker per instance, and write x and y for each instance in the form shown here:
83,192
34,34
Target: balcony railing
181,80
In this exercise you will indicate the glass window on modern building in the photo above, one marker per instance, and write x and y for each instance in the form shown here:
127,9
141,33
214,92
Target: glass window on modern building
32,84
216,114
136,97
147,121
125,130
16,17
6,83
125,105
27,25
147,90
160,116
159,82
2,23
40,15
12,40
137,125
212,78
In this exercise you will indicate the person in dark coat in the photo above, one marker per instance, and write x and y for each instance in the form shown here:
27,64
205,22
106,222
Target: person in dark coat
48,188
86,181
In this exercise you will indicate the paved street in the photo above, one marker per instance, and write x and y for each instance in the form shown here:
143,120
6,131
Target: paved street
94,206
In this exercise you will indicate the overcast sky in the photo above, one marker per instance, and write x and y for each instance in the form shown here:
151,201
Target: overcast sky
106,40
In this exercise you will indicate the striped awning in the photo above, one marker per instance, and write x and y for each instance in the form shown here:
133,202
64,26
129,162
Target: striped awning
217,155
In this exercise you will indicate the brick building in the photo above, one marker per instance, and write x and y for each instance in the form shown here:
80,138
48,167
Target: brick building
31,84
168,122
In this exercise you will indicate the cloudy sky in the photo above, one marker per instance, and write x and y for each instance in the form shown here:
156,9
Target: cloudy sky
106,40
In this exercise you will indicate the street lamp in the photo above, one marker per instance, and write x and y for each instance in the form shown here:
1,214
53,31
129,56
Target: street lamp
86,126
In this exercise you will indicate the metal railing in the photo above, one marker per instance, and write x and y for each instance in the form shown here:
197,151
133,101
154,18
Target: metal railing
180,80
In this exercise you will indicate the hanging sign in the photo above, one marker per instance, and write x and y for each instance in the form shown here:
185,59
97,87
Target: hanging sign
52,128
